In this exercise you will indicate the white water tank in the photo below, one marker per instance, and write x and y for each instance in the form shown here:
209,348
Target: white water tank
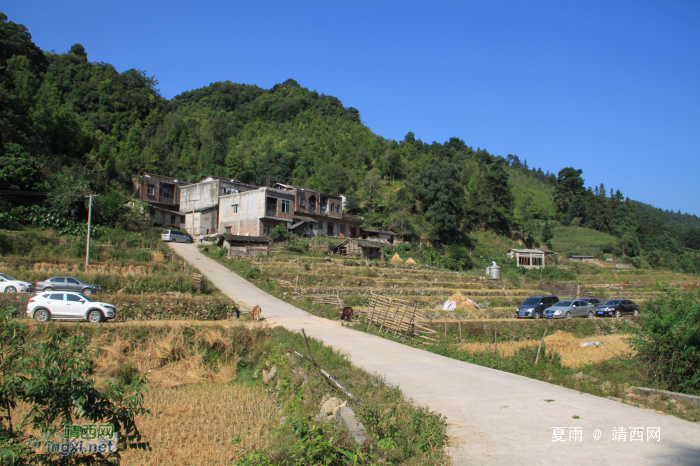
493,270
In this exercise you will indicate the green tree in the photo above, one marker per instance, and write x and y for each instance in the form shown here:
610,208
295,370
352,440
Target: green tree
569,185
53,379
668,342
547,234
442,201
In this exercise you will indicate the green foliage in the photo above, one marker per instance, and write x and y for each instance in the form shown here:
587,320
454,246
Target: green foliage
72,127
53,377
569,186
281,233
316,444
547,235
668,341
438,192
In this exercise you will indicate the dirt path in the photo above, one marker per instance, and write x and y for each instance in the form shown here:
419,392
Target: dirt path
494,417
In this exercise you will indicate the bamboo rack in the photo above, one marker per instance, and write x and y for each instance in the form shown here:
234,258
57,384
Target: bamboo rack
395,316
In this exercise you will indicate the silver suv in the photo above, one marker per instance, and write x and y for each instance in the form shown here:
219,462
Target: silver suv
176,236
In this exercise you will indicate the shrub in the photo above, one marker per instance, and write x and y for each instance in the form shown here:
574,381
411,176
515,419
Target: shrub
143,255
668,341
281,234
60,366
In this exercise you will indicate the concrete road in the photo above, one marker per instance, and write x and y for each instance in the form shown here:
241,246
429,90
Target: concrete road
494,417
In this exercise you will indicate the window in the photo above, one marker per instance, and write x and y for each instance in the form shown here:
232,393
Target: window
332,207
56,296
319,225
166,193
228,230
267,229
72,297
172,219
151,190
342,228
234,208
58,280
285,206
302,202
72,281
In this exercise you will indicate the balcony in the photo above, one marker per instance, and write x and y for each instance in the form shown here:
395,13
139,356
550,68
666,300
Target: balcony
271,211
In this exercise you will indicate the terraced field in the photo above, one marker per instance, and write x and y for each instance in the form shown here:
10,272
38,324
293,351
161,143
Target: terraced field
354,281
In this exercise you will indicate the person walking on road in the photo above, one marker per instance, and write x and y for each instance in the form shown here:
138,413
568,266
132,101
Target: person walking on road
201,238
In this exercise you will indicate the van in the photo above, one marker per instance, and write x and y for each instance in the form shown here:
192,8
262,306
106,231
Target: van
176,236
534,306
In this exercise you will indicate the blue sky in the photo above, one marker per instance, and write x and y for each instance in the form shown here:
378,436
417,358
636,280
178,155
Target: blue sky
611,87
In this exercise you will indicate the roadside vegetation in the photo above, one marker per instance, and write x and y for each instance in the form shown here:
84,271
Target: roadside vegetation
218,393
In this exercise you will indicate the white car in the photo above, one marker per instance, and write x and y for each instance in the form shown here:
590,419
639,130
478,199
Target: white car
12,285
68,306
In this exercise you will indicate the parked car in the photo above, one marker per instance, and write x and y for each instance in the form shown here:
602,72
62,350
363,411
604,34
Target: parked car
68,306
617,307
12,285
67,284
534,306
569,308
176,236
595,301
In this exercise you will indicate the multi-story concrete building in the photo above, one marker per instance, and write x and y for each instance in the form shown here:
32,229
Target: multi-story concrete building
255,213
222,205
318,213
162,193
200,202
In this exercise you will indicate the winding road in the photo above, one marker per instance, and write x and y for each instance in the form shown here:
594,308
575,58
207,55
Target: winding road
494,417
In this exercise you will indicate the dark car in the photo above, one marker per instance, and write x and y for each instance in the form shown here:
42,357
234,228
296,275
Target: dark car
593,301
67,284
534,306
617,307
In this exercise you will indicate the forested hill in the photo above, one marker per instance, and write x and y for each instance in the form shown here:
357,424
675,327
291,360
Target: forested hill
70,127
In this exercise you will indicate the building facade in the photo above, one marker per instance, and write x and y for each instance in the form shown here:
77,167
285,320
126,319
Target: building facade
220,205
200,202
255,213
162,193
320,214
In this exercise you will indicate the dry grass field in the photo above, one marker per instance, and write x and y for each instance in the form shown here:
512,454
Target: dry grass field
203,424
566,346
165,358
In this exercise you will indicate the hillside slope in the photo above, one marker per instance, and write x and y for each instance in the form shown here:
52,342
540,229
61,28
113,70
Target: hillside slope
72,127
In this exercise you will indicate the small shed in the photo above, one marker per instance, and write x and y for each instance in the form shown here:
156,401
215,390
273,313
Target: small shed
380,236
244,246
582,258
530,258
357,248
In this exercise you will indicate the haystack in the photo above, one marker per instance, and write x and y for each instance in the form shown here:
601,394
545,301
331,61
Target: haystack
463,303
410,261
561,340
396,259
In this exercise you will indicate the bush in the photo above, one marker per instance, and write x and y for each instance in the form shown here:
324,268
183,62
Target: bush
59,366
281,234
668,341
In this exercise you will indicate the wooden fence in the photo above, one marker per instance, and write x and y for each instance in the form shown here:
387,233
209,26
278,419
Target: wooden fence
296,291
395,315
330,299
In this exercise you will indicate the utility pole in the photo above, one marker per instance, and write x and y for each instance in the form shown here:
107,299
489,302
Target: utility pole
87,253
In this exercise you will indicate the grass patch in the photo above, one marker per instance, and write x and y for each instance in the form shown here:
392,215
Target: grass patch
206,389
